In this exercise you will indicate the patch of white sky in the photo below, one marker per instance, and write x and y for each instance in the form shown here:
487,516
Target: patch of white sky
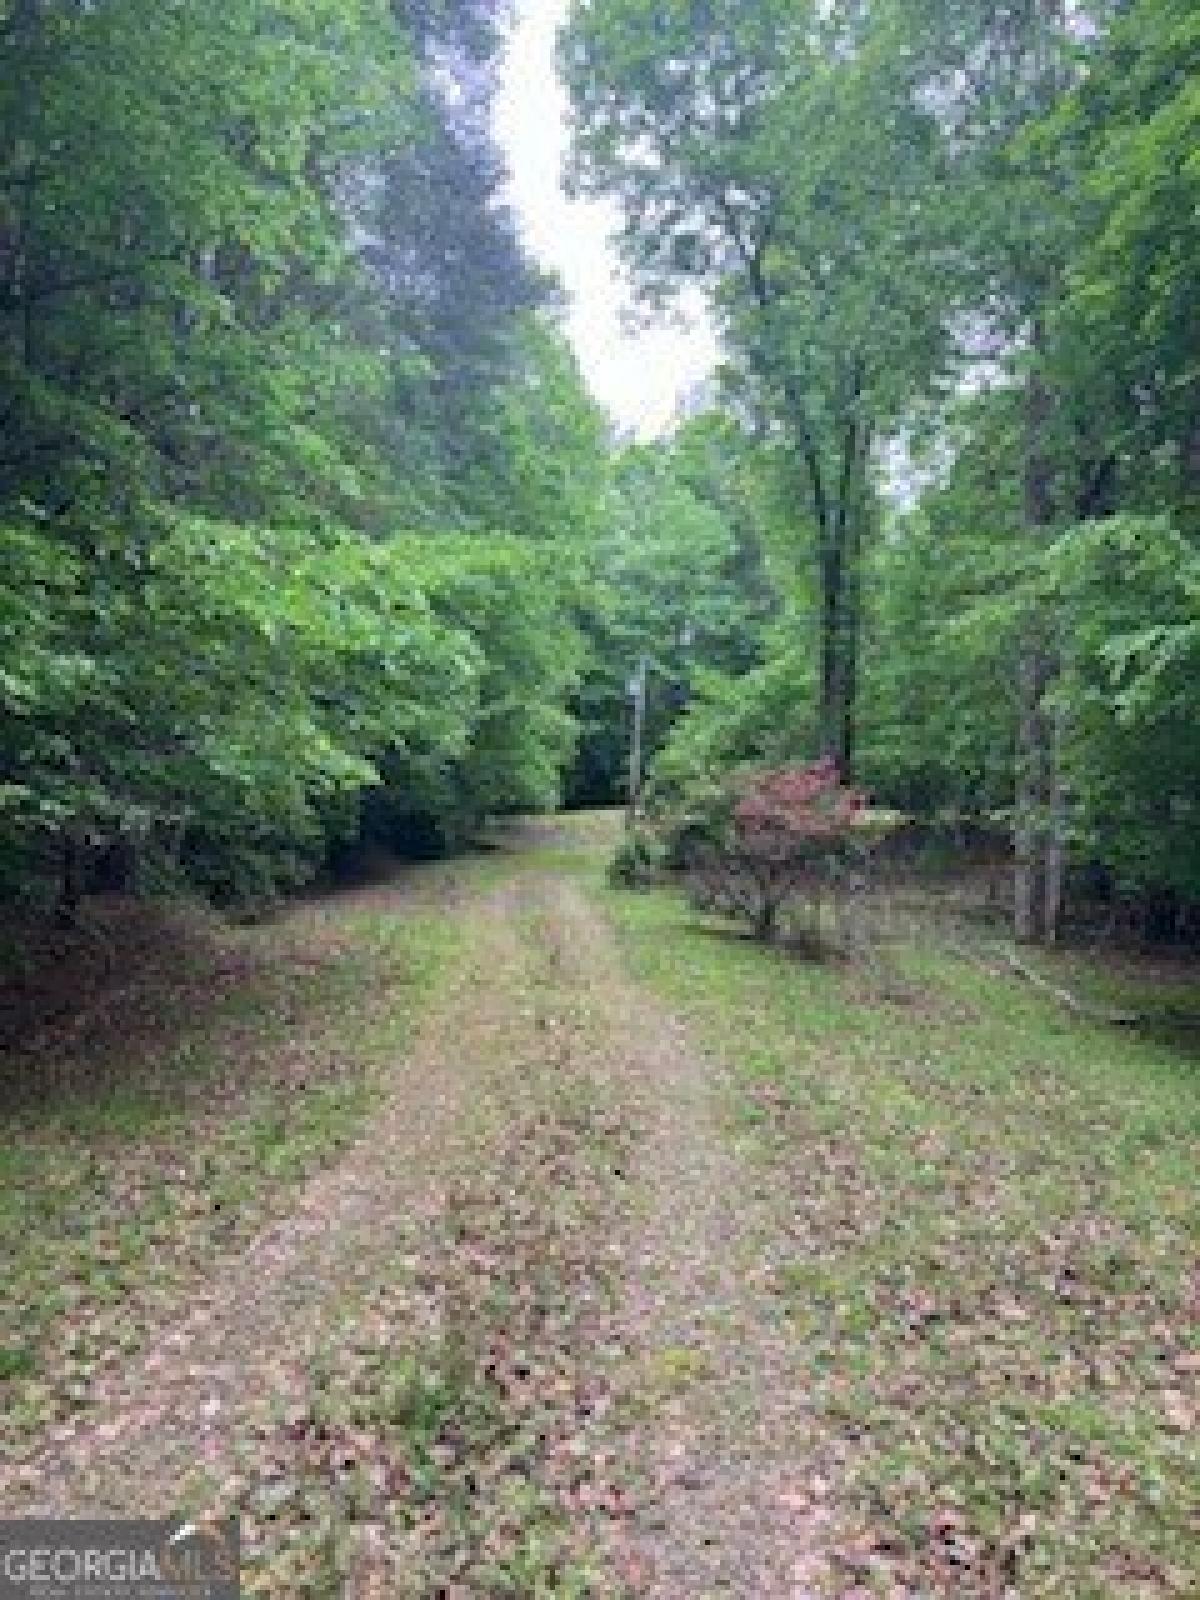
639,373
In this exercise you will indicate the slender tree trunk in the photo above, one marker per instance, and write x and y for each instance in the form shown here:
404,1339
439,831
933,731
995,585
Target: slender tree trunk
1056,824
1027,830
840,578
858,528
832,711
839,675
849,707
1033,889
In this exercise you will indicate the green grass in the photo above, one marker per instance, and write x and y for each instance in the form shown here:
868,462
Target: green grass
993,1209
112,1201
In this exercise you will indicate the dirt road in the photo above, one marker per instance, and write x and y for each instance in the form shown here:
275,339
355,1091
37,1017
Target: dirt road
519,1339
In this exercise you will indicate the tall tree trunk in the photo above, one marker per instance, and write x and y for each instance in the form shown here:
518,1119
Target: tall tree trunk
1056,822
840,572
1032,887
836,507
858,527
852,624
840,610
1027,825
833,706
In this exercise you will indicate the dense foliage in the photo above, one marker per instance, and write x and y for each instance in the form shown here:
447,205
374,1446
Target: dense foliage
311,532
675,579
792,833
266,342
951,247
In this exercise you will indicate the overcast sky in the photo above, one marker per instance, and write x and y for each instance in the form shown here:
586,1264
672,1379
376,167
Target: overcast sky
637,377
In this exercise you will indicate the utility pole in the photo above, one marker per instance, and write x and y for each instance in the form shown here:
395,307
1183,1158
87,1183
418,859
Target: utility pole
637,692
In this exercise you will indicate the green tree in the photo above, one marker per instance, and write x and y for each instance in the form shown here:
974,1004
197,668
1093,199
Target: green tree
257,302
668,582
692,117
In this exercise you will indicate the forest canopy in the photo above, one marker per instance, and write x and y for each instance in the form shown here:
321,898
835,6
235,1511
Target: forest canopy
313,534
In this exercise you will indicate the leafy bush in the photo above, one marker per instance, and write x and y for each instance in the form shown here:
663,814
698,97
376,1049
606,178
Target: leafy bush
639,860
793,833
221,702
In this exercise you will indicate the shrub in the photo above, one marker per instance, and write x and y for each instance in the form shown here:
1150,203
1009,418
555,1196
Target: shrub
793,833
638,861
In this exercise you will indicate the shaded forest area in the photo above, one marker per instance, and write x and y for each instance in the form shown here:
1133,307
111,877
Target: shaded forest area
312,535
952,247
314,541
468,1227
